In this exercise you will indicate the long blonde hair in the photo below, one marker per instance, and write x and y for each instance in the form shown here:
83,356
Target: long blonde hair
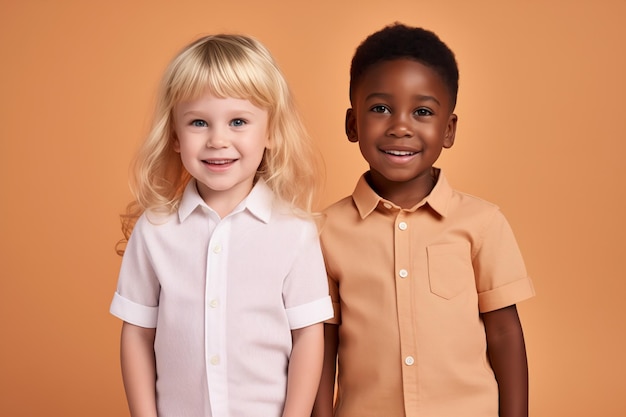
234,66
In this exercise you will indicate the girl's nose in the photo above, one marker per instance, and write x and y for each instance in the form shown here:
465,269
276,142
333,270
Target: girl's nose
217,139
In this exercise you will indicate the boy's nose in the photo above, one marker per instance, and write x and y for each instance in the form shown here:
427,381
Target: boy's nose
400,127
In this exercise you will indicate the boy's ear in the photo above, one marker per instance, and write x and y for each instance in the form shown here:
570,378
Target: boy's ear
448,139
350,126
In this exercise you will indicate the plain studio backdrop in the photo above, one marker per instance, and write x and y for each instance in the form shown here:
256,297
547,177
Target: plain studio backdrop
541,133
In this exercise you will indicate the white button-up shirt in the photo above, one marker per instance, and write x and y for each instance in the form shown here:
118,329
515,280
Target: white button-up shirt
224,295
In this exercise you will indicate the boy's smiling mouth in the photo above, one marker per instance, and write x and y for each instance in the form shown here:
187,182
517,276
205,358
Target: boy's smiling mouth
400,153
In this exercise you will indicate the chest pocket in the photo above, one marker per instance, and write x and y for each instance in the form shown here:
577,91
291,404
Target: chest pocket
450,269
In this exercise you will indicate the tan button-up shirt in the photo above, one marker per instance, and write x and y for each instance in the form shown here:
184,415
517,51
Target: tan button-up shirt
408,286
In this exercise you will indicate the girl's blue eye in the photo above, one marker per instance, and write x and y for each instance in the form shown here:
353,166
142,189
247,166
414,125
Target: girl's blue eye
237,122
199,123
380,109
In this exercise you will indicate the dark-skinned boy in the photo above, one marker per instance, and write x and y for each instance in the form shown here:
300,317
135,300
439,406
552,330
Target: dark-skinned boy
424,279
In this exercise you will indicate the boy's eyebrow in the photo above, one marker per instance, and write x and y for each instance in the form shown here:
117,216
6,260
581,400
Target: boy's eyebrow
418,97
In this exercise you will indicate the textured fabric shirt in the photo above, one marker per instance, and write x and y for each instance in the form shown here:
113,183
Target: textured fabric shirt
223,295
408,287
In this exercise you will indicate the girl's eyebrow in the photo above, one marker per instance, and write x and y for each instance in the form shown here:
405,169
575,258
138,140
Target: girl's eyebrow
234,113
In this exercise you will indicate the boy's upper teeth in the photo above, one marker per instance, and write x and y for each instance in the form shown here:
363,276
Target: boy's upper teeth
400,153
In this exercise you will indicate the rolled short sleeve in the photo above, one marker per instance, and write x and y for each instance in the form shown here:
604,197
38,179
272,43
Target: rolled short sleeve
137,296
501,277
310,313
306,289
333,289
134,313
333,286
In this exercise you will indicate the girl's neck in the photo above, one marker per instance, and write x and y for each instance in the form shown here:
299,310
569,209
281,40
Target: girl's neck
222,202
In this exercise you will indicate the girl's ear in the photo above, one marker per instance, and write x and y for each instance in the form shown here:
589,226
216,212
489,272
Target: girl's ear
176,142
350,126
269,143
448,139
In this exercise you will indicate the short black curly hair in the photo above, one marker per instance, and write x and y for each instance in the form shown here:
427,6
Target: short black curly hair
398,41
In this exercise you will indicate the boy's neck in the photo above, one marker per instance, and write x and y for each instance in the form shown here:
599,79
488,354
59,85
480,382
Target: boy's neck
405,194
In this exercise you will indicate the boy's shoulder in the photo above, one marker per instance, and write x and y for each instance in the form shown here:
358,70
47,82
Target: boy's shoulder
362,198
465,210
466,200
340,205
340,214
451,202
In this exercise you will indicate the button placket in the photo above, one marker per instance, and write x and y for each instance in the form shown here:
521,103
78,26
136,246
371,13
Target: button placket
403,226
404,288
216,357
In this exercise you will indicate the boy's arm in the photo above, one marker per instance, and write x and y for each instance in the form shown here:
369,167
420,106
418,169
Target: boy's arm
138,369
326,393
507,353
305,367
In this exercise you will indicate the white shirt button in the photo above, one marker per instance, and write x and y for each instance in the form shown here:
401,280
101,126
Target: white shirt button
403,226
213,303
409,360
215,360
403,273
387,205
217,248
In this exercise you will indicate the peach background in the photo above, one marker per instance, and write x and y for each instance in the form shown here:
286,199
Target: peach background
541,133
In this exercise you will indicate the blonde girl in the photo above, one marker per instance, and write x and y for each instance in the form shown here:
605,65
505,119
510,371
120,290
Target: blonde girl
222,289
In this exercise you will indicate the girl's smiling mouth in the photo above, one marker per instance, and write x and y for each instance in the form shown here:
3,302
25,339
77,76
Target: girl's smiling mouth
218,161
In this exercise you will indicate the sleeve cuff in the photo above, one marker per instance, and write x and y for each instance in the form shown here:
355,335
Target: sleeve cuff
507,295
133,313
307,314
336,319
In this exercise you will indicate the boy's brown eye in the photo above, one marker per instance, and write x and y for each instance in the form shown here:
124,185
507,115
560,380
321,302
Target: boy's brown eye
380,109
423,112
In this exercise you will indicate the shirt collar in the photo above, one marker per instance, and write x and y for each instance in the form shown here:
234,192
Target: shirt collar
366,199
259,202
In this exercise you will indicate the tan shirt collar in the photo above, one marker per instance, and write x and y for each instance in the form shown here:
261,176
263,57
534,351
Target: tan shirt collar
367,200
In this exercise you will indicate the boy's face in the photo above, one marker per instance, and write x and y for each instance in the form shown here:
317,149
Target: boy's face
401,116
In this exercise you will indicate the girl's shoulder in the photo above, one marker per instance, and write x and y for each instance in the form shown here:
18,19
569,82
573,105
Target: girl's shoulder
292,220
152,221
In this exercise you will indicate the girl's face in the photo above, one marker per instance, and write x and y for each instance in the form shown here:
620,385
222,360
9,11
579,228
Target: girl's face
221,142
